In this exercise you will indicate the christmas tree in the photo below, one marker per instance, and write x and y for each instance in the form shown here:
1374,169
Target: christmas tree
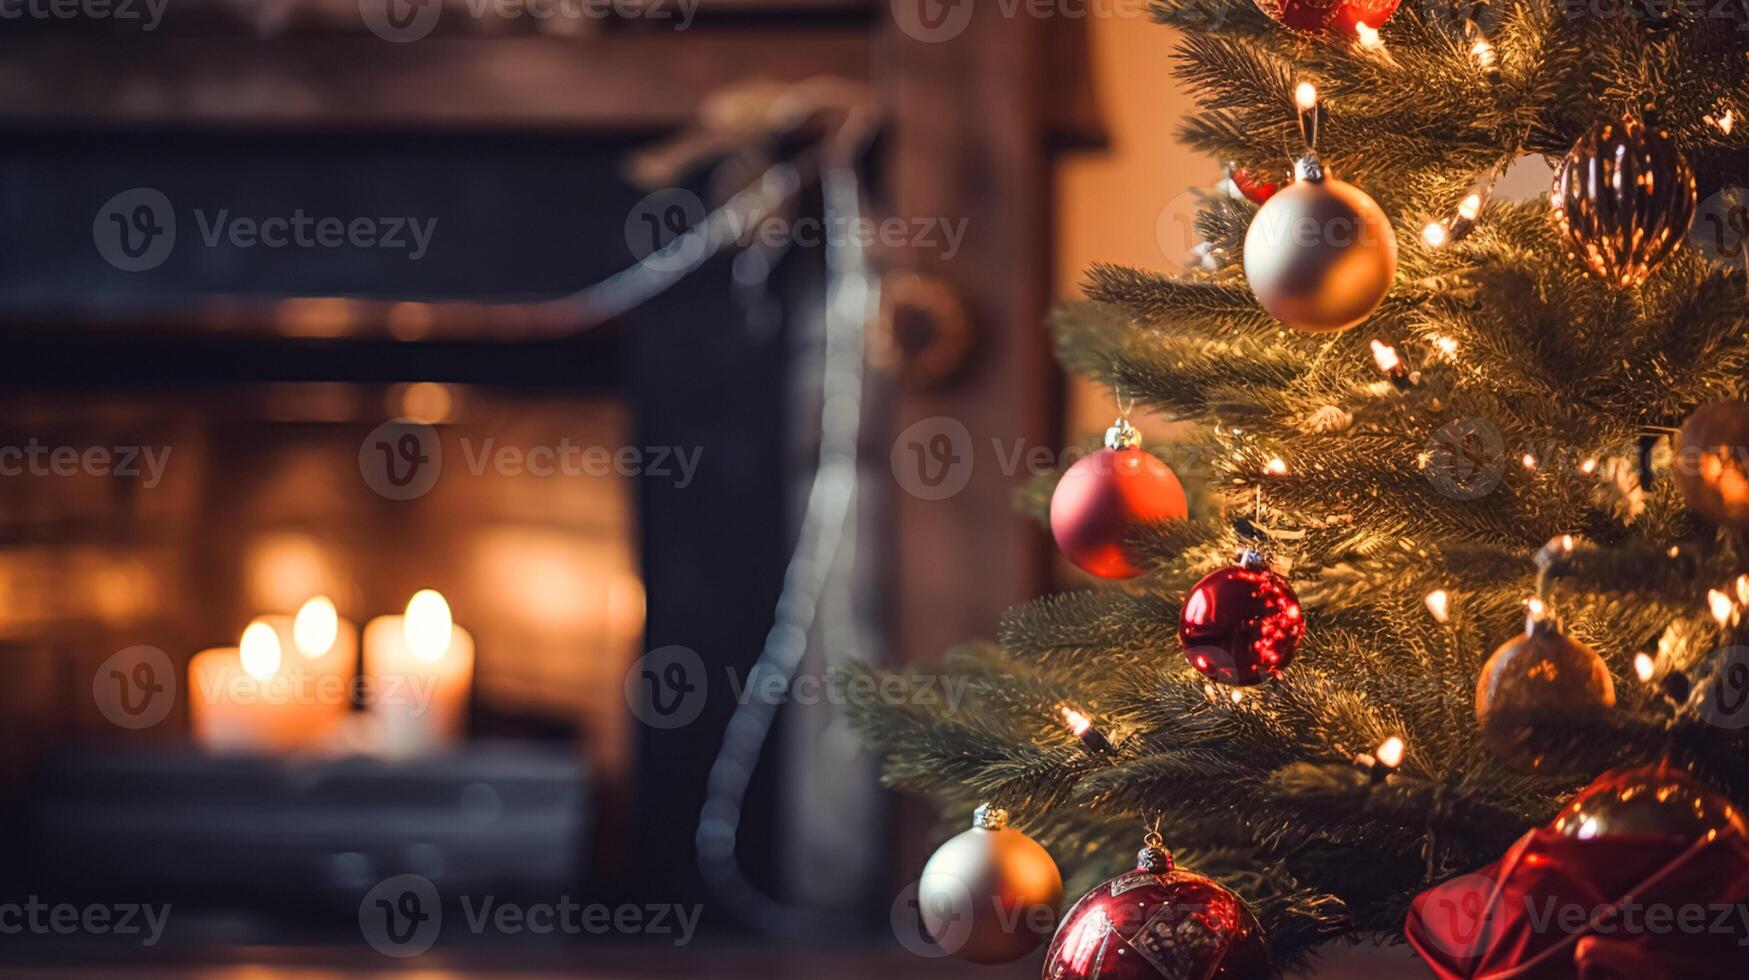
1419,437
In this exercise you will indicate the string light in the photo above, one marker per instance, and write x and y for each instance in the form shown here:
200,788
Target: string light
1743,590
1390,754
1644,667
1483,52
1276,467
1385,356
1384,760
1447,346
1306,96
1435,234
1237,695
1439,604
1369,36
1470,206
1588,467
1092,738
1529,461
1720,605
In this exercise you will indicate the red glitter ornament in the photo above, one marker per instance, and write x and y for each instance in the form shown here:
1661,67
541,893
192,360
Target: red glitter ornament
1107,495
1241,625
1158,922
1256,189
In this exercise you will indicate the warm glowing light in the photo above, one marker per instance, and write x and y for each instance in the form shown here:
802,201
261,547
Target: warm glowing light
428,625
1276,467
1536,607
1483,52
1390,754
1306,96
1439,604
1563,544
259,651
1721,605
1446,345
1470,206
1369,36
1644,667
1743,590
316,627
1435,235
1528,460
1385,356
1726,122
1588,467
1076,721
1238,696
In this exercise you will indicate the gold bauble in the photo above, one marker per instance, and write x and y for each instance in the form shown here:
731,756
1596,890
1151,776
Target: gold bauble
1624,198
1543,670
1320,254
991,894
1712,449
1659,801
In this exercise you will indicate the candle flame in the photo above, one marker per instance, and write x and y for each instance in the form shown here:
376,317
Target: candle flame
1439,604
316,627
1644,667
1076,721
1721,605
1390,754
259,651
1306,96
428,625
1385,356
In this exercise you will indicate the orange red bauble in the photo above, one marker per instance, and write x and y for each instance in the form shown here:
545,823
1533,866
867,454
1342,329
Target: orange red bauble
1109,494
1336,16
1241,625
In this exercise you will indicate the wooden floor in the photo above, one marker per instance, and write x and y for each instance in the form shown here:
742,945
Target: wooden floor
1340,963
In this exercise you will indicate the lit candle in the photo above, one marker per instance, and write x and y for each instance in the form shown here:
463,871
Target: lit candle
419,668
321,653
254,698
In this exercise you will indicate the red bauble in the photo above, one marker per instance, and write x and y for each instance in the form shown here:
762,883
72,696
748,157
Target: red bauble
1105,496
1256,189
1336,16
1158,923
1241,625
1603,891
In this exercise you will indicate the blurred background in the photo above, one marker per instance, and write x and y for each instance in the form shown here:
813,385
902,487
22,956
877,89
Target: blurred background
416,411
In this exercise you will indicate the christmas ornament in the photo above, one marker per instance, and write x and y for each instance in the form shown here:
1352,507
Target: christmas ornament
1624,197
1320,254
990,894
1158,922
1578,898
1540,672
1335,16
1107,495
1254,188
1712,449
1242,624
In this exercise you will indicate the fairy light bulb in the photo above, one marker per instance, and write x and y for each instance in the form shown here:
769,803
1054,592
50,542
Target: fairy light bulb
1369,36
1385,356
1588,467
1435,235
1439,604
1470,206
1644,667
1720,605
1390,754
1276,467
1306,96
1483,52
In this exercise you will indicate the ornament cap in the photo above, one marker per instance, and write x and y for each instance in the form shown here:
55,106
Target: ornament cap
1155,860
1122,435
989,817
1309,167
1253,559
